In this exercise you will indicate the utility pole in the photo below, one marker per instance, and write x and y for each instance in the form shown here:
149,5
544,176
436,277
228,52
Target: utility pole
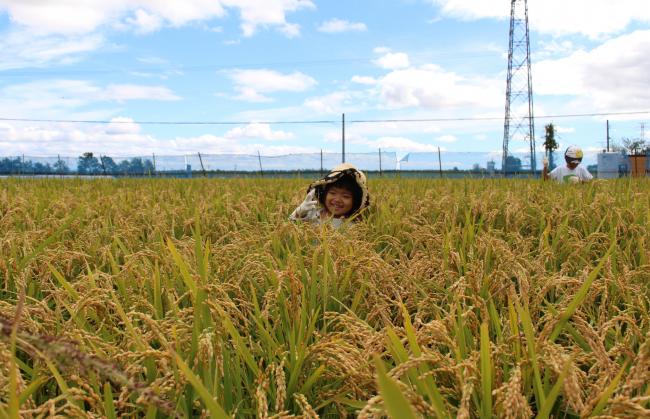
643,132
608,135
380,162
343,138
519,122
101,160
202,168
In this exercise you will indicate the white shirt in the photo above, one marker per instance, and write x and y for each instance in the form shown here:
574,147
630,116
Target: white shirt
563,173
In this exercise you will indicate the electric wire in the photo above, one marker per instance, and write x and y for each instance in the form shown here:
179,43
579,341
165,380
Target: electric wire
316,122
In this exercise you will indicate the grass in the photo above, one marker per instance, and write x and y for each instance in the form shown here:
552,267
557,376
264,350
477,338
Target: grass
454,298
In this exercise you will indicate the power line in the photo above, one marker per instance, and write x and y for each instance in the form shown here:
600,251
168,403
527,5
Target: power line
499,118
78,121
592,114
315,122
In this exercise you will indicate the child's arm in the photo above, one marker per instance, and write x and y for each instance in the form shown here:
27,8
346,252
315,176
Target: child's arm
545,169
309,204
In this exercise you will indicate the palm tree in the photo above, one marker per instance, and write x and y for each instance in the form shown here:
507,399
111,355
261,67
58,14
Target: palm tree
550,145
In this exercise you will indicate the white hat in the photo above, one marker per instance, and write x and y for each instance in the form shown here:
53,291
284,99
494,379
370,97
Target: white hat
573,154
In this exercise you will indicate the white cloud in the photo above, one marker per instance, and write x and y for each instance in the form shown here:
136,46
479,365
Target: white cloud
447,138
272,81
72,140
124,92
153,60
432,87
145,22
613,77
328,104
564,130
386,143
264,13
19,49
364,80
122,138
72,99
57,95
248,94
253,84
359,132
213,144
339,25
62,17
83,16
393,61
592,18
473,9
291,30
402,144
176,13
260,131
122,125
552,48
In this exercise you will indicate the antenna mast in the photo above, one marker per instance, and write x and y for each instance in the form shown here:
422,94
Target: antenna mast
519,122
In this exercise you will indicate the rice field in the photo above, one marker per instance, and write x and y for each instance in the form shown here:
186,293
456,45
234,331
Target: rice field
197,298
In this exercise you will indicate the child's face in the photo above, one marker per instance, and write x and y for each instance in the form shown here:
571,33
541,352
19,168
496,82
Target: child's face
338,201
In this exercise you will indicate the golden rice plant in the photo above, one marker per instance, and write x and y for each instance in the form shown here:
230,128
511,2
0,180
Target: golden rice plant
196,298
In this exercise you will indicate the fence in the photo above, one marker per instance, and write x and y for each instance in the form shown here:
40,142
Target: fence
89,164
447,163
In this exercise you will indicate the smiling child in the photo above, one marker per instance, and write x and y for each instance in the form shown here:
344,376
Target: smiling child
339,196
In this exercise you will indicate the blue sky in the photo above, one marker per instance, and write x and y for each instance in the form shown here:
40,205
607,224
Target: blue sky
261,61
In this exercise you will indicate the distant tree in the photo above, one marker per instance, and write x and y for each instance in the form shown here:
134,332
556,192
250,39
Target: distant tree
88,164
108,165
148,167
136,167
26,166
634,145
123,167
513,164
61,168
10,166
550,145
43,169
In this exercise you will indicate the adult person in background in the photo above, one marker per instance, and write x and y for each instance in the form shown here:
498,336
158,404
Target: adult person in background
341,195
572,172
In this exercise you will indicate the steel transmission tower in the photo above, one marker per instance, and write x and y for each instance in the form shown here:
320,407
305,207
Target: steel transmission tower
519,122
